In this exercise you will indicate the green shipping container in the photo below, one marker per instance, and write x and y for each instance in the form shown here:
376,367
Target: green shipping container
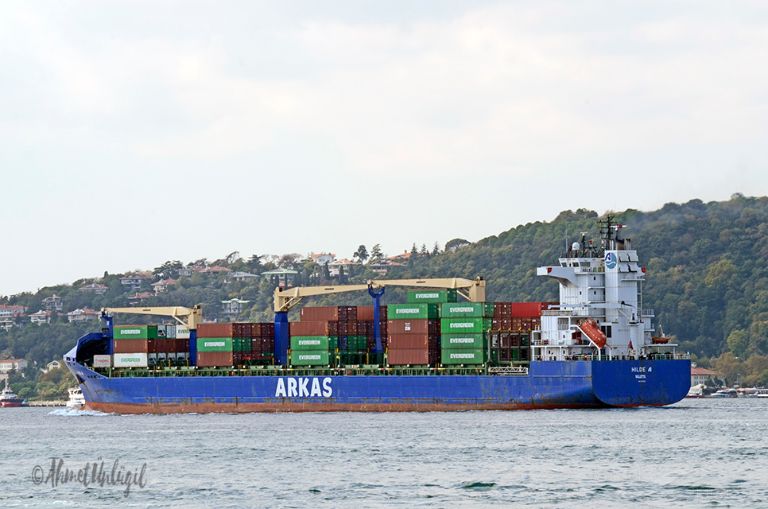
431,296
463,341
214,344
449,357
310,343
465,325
412,311
466,309
135,332
333,343
241,344
310,358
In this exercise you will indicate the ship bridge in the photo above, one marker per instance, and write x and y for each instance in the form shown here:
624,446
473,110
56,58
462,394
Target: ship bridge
599,285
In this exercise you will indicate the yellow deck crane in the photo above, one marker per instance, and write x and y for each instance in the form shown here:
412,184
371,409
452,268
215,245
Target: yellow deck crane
190,317
471,289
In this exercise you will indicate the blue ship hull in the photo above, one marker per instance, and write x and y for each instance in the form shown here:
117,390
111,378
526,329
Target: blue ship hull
548,384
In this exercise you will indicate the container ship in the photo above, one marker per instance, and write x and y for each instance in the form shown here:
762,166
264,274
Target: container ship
446,348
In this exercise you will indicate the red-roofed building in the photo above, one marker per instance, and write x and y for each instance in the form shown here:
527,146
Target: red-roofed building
9,314
214,269
140,297
702,375
162,285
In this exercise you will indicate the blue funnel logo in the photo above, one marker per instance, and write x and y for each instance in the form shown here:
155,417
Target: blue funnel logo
610,260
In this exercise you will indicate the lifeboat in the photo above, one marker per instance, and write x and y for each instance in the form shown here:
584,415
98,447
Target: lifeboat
593,332
657,340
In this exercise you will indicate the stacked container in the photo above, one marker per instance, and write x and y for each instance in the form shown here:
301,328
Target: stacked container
215,345
310,350
413,329
464,329
171,346
348,330
262,343
513,323
132,344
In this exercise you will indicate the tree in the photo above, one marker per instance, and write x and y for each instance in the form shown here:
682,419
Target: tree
232,257
436,249
414,255
730,367
254,263
168,270
454,244
376,254
423,251
361,253
738,342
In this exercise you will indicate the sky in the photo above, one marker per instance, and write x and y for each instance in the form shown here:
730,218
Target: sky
137,132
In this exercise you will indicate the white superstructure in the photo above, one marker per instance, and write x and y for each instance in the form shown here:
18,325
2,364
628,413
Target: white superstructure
600,287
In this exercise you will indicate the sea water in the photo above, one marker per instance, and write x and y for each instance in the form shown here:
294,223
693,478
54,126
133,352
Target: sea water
697,453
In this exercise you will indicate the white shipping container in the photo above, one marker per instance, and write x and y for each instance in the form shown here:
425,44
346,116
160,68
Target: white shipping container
102,361
170,331
130,360
182,332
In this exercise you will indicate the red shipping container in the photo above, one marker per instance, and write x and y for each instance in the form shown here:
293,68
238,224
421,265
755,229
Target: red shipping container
319,313
502,309
262,330
209,359
348,328
132,346
412,341
413,327
529,309
348,313
313,328
366,312
215,330
411,356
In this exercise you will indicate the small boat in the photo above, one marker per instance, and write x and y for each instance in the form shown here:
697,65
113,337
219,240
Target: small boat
726,393
76,399
9,399
696,391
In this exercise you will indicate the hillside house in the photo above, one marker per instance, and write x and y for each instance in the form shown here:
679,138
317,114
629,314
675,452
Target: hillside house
53,303
82,315
42,316
94,288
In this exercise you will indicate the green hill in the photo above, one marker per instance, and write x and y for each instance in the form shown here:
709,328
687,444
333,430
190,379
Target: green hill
706,263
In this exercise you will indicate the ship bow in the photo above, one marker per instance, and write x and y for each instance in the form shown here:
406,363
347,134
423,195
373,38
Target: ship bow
641,382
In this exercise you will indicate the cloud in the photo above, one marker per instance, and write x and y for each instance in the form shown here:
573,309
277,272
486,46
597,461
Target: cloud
500,89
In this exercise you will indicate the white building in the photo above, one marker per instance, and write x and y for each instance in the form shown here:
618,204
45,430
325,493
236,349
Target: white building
241,276
233,307
132,282
336,266
163,285
96,288
8,365
82,315
40,317
9,314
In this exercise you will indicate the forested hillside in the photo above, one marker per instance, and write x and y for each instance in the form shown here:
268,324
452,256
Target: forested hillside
707,279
